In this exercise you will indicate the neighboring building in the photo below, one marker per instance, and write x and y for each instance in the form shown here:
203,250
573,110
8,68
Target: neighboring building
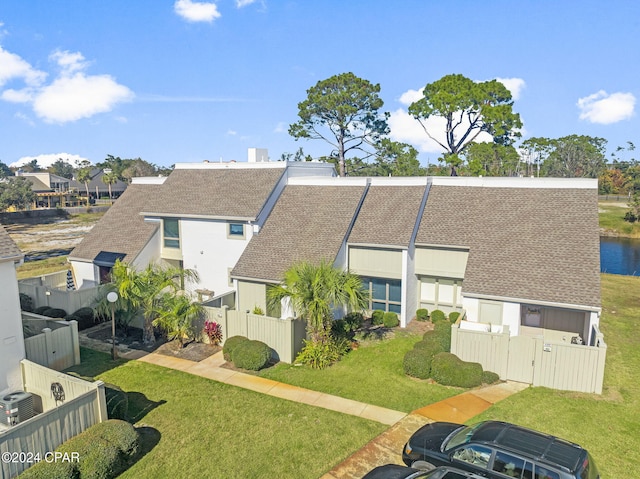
98,188
51,190
517,252
11,336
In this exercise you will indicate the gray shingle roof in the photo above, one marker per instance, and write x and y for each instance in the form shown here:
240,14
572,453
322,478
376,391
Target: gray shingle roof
388,216
122,229
8,249
529,243
307,223
239,193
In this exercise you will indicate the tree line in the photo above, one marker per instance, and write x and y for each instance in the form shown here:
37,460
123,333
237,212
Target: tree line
478,135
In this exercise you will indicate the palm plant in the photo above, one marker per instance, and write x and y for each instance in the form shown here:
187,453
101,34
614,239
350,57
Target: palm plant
177,316
109,178
314,290
146,290
84,176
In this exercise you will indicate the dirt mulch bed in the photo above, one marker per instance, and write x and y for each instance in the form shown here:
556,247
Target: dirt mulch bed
192,350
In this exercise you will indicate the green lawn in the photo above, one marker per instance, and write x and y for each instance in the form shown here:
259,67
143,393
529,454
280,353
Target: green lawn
608,425
372,374
612,219
196,427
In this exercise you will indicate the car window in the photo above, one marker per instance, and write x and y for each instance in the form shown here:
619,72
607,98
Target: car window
509,465
544,473
473,454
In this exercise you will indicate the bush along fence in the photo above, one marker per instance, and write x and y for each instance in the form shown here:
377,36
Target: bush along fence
50,290
283,336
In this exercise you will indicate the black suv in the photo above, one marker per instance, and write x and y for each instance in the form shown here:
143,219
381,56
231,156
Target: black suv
499,450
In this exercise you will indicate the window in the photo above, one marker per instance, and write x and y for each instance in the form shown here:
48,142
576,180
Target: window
509,465
171,233
473,454
384,294
544,473
236,230
438,292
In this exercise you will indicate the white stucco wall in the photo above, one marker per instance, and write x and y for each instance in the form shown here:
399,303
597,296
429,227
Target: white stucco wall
11,338
150,253
85,274
207,250
511,317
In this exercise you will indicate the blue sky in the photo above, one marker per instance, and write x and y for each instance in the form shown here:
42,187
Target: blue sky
176,81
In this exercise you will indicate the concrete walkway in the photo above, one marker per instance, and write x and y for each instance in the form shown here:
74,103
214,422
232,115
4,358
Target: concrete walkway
211,368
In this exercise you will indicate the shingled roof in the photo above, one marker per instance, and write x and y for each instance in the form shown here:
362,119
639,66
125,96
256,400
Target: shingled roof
526,243
9,251
122,229
227,193
307,223
388,216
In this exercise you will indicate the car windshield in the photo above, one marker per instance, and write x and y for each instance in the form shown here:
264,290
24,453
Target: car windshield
460,436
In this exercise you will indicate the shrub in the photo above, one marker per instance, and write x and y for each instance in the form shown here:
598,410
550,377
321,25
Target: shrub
489,377
104,450
422,314
258,310
441,333
322,353
417,363
453,316
430,345
354,320
71,317
251,355
55,313
390,319
213,331
437,315
340,329
449,370
26,303
377,317
230,344
41,309
117,402
85,318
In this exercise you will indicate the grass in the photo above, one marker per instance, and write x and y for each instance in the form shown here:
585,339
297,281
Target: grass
612,220
208,429
42,266
608,425
372,374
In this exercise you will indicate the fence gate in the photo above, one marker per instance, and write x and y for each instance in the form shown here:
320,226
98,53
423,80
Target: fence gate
520,364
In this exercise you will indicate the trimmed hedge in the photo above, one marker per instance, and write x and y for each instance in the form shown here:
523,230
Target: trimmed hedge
390,319
417,363
26,303
437,315
449,370
230,344
251,355
87,318
489,377
440,333
41,309
377,317
104,450
422,314
54,313
453,316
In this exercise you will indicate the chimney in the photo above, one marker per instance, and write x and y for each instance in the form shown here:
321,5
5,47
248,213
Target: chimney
258,155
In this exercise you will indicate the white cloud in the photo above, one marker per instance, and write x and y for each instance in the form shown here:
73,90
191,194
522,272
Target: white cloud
232,132
605,109
244,3
196,11
71,96
411,96
13,67
514,85
46,160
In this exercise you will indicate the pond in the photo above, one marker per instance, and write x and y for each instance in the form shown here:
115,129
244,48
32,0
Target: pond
620,256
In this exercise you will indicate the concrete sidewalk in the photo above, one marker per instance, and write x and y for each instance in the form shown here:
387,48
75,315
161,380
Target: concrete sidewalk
211,368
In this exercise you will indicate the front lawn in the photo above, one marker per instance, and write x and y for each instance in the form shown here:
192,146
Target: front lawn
201,428
612,221
608,425
372,374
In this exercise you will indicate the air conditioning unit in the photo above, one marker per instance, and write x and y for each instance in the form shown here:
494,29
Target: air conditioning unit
16,407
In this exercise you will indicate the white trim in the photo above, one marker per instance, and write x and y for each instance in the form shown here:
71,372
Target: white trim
148,180
502,182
